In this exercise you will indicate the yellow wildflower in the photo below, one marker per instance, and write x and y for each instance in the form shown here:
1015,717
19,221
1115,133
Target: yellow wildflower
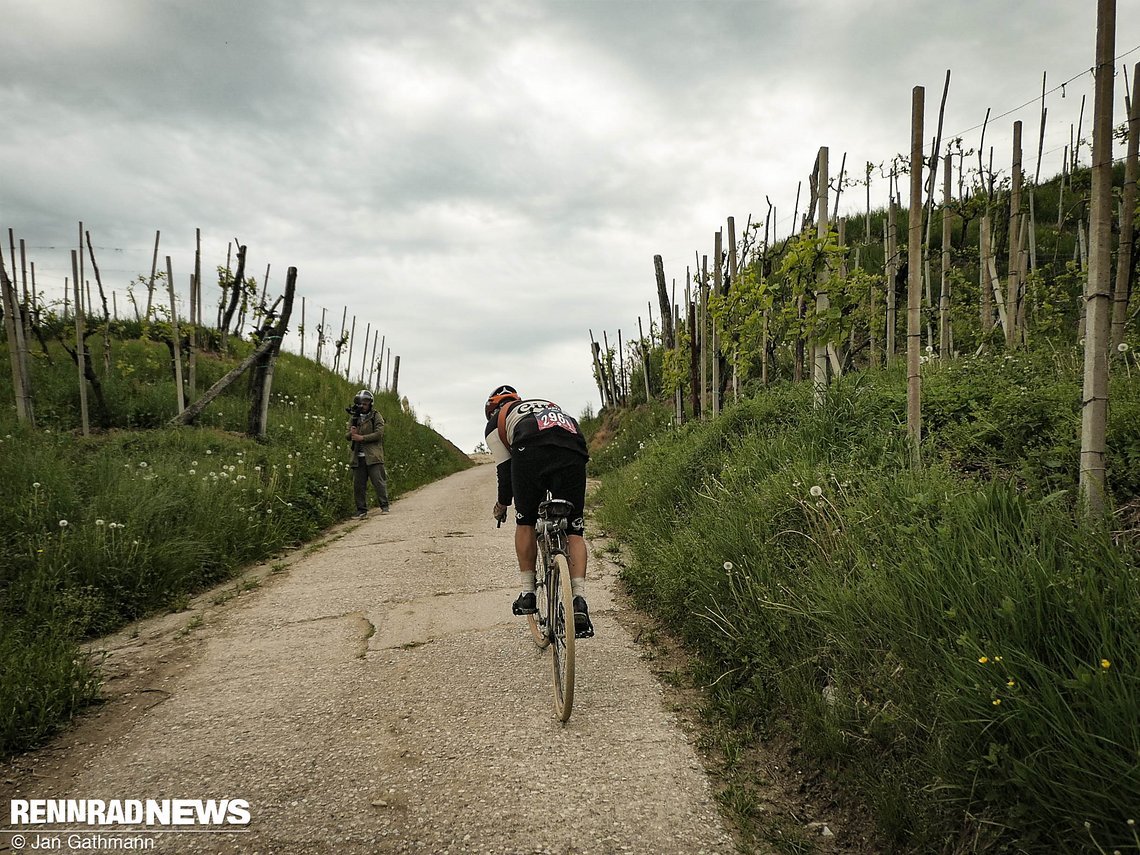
997,702
983,659
1104,663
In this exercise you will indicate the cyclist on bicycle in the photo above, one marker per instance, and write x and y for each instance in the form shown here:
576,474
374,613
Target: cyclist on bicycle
537,447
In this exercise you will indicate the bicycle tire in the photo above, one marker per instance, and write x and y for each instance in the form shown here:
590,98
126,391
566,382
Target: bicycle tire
540,623
562,636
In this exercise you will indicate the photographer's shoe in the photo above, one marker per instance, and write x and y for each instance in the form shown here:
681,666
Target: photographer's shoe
360,515
384,510
583,628
526,604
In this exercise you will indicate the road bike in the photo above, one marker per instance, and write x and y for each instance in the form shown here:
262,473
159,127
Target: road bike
553,625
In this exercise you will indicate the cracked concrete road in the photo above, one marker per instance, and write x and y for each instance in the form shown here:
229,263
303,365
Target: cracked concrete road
377,696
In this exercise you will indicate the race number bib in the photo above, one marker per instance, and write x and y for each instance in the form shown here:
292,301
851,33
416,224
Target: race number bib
553,417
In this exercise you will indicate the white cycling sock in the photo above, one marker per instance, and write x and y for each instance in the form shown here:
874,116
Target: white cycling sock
527,582
578,586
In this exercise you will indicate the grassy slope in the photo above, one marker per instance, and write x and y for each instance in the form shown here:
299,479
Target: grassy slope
102,530
952,640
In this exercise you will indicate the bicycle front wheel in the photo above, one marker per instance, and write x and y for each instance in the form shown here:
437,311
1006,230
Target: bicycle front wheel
562,636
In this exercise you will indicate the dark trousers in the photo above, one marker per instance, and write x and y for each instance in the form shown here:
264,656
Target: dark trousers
361,475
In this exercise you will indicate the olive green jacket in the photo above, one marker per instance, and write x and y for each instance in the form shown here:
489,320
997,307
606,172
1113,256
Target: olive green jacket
371,430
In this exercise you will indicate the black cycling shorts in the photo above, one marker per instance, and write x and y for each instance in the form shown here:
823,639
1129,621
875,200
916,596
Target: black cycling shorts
538,468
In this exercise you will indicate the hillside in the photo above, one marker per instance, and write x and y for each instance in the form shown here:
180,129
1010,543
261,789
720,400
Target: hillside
954,641
104,529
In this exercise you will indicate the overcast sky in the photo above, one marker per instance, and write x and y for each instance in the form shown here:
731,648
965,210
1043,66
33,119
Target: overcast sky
485,182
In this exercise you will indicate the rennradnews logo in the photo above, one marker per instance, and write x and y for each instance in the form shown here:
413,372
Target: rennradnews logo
153,812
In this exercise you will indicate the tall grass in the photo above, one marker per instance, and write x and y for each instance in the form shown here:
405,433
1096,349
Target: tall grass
103,530
958,642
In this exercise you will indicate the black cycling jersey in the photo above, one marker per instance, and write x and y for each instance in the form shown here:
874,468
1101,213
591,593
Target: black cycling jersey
534,424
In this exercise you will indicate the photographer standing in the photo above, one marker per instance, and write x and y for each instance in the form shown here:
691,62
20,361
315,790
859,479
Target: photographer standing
366,433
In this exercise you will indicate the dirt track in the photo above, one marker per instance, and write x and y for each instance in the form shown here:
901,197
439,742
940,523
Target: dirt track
376,695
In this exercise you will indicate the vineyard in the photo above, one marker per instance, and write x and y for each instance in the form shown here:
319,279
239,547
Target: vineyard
135,470
883,477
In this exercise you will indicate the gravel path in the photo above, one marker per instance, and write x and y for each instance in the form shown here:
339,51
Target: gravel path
378,696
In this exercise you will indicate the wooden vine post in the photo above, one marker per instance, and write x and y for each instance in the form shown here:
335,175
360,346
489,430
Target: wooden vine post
364,354
195,314
624,392
103,300
340,341
667,335
944,293
644,359
702,324
769,220
718,276
261,385
822,300
237,286
892,250
694,363
914,284
175,338
372,358
302,330
872,308
1013,278
1124,270
733,272
678,393
13,330
594,348
1098,299
188,415
321,336
153,273
351,345
80,347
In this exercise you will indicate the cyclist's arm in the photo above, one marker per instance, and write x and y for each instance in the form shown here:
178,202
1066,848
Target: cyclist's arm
502,457
505,491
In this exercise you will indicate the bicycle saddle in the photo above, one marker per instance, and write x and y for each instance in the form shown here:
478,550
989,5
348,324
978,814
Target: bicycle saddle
554,508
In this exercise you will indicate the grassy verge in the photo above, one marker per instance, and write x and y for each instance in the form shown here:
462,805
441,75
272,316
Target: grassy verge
102,530
954,641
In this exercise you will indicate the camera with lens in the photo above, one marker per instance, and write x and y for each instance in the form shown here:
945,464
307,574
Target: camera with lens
356,411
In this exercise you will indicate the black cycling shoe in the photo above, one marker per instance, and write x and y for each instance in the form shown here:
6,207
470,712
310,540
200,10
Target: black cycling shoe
583,628
525,604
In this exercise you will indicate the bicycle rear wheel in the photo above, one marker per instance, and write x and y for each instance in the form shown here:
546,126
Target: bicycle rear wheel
540,623
562,636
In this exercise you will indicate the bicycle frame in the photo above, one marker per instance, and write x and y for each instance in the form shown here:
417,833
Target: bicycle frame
553,626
